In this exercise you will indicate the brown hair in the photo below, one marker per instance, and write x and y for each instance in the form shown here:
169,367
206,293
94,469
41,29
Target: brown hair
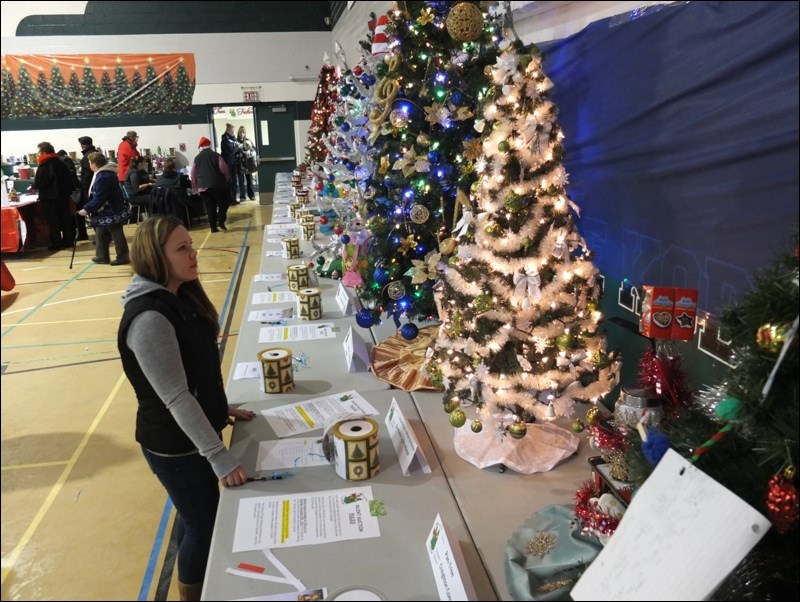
97,158
46,147
149,260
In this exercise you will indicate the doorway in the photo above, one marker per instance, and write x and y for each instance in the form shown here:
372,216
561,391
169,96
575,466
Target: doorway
271,127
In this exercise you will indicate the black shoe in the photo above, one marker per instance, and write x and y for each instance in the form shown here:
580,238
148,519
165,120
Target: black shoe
121,261
223,227
252,198
98,260
214,230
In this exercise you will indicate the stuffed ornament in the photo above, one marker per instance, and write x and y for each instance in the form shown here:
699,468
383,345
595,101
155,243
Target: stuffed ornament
351,277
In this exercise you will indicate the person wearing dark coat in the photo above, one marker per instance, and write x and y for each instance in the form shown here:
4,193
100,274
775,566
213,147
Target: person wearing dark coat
107,210
87,174
230,149
210,177
54,184
79,223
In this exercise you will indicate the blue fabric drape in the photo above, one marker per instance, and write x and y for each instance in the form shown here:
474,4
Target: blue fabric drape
681,128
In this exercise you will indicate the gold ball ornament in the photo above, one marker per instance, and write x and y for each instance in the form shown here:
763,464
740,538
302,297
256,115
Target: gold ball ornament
512,202
419,214
458,418
517,429
452,261
396,290
476,426
398,119
465,22
423,140
577,425
447,246
593,415
450,405
770,337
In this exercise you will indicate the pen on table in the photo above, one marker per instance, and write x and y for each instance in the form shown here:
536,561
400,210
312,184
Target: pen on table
276,476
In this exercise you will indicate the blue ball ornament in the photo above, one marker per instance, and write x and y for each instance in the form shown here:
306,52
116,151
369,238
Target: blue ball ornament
331,177
434,157
345,127
345,238
364,318
380,276
409,331
457,97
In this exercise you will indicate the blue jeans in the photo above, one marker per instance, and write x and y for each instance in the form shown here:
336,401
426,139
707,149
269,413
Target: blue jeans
194,490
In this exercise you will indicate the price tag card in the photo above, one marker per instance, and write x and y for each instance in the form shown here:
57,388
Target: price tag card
344,300
447,562
355,352
404,440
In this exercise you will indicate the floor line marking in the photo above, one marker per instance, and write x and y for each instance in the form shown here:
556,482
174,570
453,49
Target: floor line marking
37,465
8,564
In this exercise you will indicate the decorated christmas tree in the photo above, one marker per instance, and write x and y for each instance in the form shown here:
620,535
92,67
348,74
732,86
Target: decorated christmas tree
324,103
744,432
429,83
521,329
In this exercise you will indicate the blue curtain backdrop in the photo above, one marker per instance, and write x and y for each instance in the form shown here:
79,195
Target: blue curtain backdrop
681,127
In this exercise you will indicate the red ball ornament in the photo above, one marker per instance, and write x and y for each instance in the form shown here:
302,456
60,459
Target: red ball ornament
319,186
783,505
357,71
323,220
338,230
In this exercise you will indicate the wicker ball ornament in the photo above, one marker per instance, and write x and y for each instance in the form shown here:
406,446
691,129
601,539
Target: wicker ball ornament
465,22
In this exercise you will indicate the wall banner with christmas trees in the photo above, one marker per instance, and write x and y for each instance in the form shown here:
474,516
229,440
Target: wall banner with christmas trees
79,85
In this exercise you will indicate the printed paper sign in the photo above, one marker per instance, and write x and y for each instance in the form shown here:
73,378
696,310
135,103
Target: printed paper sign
343,299
296,332
404,440
449,569
355,352
270,297
312,414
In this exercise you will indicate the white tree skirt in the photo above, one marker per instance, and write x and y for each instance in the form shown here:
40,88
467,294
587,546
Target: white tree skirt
542,447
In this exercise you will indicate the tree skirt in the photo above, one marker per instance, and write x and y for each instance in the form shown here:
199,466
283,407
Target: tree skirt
542,447
400,362
545,557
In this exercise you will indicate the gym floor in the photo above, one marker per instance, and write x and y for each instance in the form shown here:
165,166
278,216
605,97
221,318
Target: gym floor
83,518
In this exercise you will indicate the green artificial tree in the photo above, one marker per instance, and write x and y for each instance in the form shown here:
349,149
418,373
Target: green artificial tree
423,112
521,332
744,432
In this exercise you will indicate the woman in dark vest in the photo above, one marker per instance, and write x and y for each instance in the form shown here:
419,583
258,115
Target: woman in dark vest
168,345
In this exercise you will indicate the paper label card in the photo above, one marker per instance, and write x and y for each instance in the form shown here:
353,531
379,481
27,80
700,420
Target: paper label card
682,534
312,414
449,568
344,300
277,277
355,352
270,297
404,440
247,370
296,332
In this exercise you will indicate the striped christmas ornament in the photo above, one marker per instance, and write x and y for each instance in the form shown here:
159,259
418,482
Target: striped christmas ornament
380,43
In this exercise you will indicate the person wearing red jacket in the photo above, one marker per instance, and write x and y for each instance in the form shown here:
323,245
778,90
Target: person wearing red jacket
126,151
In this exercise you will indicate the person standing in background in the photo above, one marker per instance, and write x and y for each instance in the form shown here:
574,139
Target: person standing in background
229,149
107,210
210,177
54,185
80,223
87,146
126,151
167,343
246,165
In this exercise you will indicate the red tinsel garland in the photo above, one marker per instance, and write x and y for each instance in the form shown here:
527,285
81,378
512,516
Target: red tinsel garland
665,374
593,521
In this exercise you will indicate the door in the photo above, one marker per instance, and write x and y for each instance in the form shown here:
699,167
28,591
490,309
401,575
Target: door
275,141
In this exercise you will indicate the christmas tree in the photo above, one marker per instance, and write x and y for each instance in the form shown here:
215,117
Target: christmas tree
744,432
422,117
324,103
521,328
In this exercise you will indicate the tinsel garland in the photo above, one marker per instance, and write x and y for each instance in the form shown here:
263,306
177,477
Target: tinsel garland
593,521
665,374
